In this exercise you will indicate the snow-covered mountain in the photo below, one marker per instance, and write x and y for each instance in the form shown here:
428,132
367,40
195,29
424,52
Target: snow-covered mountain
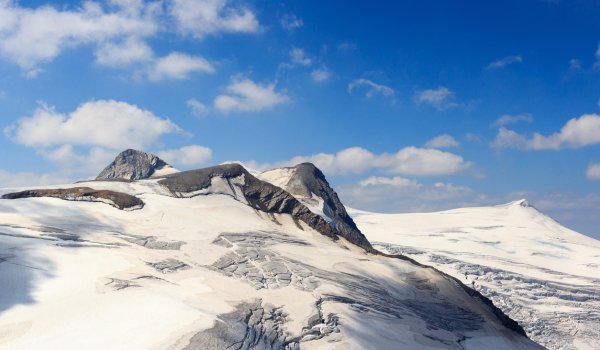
216,258
540,273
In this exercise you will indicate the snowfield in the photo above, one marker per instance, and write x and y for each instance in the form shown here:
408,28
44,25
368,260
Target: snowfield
540,273
212,272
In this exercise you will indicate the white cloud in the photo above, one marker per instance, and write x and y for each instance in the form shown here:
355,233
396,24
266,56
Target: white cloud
244,95
78,162
440,98
423,162
442,141
179,66
505,61
383,194
576,133
299,58
203,17
198,108
407,161
117,31
31,36
105,123
320,75
509,139
593,172
395,181
372,88
123,54
21,179
187,156
290,22
513,119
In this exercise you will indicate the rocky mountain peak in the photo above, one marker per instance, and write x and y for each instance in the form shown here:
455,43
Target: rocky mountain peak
308,184
134,165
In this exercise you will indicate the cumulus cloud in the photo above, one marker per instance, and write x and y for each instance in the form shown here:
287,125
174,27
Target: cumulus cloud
371,88
26,40
593,172
178,66
299,58
576,133
509,139
105,123
383,194
442,141
20,179
198,108
123,54
290,22
244,95
78,161
407,161
513,119
321,74
118,31
505,61
395,181
199,18
187,156
440,98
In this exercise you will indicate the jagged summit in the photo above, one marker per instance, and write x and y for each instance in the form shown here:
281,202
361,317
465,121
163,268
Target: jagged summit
135,165
308,184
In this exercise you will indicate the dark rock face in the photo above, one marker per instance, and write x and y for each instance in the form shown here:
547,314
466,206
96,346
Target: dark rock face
118,200
132,165
308,180
260,195
252,325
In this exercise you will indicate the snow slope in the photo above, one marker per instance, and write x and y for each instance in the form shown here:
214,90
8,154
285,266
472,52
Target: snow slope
211,272
540,273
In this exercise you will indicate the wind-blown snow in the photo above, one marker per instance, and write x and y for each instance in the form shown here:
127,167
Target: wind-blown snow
540,273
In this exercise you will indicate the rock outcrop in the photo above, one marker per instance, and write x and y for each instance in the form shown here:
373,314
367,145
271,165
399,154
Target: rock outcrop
118,200
258,194
134,165
306,182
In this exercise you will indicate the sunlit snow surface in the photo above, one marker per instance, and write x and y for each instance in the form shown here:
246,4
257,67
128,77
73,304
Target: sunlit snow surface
540,273
209,272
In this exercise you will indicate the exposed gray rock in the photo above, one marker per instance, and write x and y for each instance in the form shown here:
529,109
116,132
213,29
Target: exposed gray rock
169,265
252,325
119,284
132,165
306,181
252,261
151,242
260,195
118,200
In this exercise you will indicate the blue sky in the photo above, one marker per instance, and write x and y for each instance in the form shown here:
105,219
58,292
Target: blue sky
405,105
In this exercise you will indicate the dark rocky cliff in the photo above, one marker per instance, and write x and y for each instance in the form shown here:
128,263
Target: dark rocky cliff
132,165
